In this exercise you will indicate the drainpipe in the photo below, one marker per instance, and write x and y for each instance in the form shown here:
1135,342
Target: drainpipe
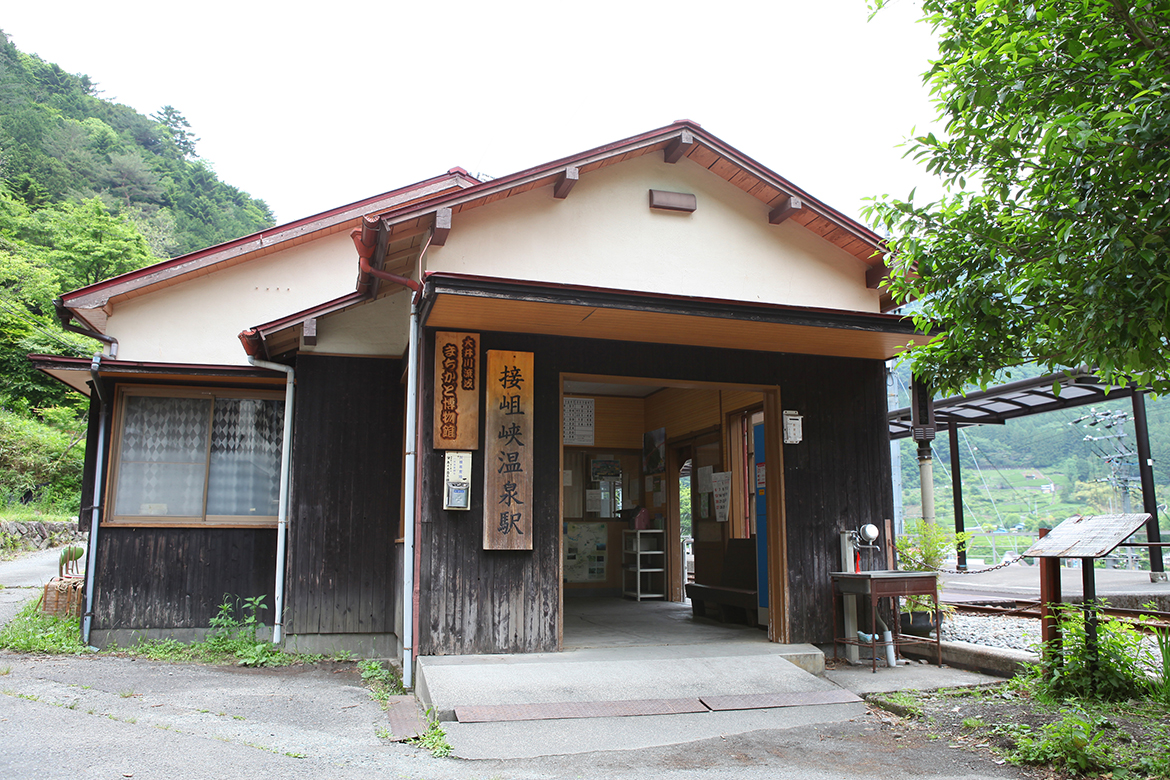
95,511
365,239
65,316
282,511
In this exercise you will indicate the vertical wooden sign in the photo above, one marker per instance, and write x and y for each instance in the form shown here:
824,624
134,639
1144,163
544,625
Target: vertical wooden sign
507,497
456,391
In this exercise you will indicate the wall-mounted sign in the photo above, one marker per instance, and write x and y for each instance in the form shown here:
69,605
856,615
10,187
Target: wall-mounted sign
456,391
793,427
457,480
507,499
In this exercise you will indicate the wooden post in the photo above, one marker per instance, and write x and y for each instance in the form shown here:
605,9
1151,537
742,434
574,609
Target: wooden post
1089,605
957,492
1049,599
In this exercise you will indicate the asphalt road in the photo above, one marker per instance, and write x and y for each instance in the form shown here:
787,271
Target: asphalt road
100,716
108,717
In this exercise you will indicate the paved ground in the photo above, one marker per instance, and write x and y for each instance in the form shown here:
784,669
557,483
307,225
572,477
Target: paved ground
98,716
104,717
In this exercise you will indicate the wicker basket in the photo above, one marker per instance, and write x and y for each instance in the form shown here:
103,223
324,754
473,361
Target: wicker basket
63,597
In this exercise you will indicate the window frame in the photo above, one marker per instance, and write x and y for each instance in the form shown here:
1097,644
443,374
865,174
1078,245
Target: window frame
109,518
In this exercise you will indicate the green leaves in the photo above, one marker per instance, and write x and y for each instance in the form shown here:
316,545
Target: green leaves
1050,245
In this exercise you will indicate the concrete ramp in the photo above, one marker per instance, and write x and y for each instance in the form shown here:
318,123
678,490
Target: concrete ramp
623,698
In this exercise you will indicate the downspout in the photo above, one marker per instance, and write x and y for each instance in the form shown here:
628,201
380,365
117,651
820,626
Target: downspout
365,239
65,317
95,511
282,510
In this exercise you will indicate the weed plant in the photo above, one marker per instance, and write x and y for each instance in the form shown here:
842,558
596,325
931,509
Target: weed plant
233,638
382,682
433,739
31,631
1116,672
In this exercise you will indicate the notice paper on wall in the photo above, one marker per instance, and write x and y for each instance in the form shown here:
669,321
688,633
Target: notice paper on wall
704,480
593,501
721,482
579,422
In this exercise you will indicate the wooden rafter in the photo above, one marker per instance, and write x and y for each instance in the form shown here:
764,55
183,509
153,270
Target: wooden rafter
442,227
679,147
565,183
789,208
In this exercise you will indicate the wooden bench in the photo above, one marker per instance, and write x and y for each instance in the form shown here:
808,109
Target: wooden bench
735,598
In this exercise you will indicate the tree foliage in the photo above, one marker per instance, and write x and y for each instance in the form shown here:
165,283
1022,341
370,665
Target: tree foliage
1050,244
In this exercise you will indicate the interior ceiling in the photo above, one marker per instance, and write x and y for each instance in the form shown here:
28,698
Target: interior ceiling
577,387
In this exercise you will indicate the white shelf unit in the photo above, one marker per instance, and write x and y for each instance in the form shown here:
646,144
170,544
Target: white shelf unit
644,564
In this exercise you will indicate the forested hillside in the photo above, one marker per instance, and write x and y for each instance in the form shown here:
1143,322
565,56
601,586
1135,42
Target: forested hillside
88,189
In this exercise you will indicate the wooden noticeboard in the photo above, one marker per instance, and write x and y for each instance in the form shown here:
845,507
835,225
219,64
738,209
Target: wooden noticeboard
507,498
456,391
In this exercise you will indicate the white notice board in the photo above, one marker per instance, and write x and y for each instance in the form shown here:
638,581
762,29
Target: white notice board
579,422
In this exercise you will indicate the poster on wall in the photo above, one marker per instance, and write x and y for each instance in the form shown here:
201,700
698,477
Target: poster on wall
605,468
456,391
721,482
585,552
507,498
654,451
578,430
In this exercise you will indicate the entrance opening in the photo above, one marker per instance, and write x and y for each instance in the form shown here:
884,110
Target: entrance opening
659,492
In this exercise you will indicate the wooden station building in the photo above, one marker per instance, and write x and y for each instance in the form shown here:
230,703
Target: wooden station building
431,459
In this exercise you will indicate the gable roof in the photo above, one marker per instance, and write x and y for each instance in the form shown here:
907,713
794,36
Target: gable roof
94,303
399,220
399,229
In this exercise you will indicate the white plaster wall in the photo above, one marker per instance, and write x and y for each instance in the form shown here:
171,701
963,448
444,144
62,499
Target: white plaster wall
605,235
381,328
199,321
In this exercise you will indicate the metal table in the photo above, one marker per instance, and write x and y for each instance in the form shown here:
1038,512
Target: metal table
892,585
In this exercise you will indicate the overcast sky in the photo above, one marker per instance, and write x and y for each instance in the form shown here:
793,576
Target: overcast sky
313,105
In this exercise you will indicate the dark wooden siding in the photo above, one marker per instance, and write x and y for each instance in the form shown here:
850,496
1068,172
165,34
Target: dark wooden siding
476,601
178,577
836,479
345,501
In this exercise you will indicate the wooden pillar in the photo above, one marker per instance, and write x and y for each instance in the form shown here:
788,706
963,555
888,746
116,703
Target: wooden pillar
957,490
1089,605
778,626
1049,600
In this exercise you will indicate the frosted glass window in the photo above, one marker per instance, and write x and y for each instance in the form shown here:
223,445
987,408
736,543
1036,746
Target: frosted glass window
244,478
197,458
163,458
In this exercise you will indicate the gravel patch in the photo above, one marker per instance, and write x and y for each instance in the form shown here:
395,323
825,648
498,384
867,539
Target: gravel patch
1013,633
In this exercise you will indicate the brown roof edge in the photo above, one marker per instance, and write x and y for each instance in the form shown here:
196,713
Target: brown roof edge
467,283
92,295
615,148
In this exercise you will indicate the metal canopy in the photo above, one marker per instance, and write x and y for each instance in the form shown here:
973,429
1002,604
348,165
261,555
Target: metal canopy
1087,536
1015,399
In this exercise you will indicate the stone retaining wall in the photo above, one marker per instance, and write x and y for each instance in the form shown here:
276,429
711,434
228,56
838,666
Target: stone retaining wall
37,535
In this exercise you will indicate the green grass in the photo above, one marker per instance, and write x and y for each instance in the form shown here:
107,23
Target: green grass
382,682
33,632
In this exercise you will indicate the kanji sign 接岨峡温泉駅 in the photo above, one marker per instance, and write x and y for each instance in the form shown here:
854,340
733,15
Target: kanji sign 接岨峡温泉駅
508,452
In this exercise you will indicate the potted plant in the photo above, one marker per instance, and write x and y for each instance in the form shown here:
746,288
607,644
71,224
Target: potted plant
924,546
